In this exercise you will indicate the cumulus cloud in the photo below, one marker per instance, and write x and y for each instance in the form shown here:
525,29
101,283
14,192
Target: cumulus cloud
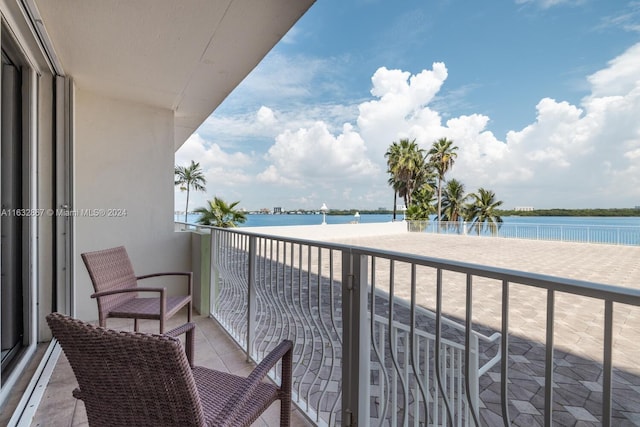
218,165
266,116
313,156
619,78
585,155
209,154
588,152
401,107
569,155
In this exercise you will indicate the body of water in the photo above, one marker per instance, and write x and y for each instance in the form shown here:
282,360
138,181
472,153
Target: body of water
608,230
282,220
257,220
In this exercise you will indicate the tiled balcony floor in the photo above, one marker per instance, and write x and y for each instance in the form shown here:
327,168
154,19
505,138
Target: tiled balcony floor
214,349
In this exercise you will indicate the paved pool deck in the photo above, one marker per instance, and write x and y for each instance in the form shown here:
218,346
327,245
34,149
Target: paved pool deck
578,320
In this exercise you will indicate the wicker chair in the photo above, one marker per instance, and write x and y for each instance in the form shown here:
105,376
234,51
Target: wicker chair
137,379
116,289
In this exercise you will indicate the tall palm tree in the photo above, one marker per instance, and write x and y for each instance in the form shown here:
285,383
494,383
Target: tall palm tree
188,177
393,155
406,164
221,214
453,201
482,209
442,155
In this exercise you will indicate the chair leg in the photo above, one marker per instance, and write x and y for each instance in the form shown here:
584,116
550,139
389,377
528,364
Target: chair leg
285,388
135,325
285,412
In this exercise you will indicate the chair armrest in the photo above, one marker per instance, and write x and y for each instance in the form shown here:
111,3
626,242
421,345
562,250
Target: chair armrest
172,273
169,273
189,347
283,351
122,291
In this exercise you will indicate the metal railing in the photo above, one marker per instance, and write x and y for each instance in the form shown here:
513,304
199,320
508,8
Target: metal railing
367,352
607,234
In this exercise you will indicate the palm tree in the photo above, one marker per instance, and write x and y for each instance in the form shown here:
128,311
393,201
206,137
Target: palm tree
221,214
188,177
483,210
422,204
393,156
453,201
407,167
442,155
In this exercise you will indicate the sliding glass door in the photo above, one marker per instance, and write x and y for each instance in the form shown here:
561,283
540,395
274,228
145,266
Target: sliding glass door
13,281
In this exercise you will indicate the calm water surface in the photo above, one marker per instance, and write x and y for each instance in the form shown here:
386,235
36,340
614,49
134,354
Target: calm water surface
281,220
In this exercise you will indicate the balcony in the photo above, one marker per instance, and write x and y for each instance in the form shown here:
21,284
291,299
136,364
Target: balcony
387,338
214,349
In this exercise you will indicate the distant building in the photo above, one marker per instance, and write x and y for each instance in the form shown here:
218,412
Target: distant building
277,210
523,208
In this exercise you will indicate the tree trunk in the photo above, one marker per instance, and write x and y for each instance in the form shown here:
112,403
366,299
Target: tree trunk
186,208
395,200
439,197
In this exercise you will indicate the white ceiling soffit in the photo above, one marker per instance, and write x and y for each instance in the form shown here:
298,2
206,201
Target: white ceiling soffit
183,55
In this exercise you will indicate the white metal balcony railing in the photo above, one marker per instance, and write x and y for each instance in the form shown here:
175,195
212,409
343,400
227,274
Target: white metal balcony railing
366,352
607,234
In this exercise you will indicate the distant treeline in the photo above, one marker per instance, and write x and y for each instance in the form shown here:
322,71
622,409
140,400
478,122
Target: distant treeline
537,212
572,212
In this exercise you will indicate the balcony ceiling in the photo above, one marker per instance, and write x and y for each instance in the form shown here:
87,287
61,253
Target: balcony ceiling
183,55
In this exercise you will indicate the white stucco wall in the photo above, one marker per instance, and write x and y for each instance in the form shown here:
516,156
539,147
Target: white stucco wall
124,159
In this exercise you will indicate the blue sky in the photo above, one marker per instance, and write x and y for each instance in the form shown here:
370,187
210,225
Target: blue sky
542,97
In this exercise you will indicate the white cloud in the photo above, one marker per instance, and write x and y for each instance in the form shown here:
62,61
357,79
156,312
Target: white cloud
291,79
579,154
546,4
266,116
619,78
209,154
313,156
401,105
219,167
585,155
628,18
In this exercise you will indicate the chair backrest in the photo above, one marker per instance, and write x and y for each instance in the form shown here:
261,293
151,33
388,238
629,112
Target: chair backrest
129,378
110,269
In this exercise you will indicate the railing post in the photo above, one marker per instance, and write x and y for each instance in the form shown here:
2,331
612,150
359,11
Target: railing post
355,342
214,276
474,374
251,296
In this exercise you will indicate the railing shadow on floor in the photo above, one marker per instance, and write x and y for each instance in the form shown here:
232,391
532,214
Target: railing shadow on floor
349,366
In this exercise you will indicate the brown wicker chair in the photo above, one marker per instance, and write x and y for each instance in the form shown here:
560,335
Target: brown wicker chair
137,379
116,289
